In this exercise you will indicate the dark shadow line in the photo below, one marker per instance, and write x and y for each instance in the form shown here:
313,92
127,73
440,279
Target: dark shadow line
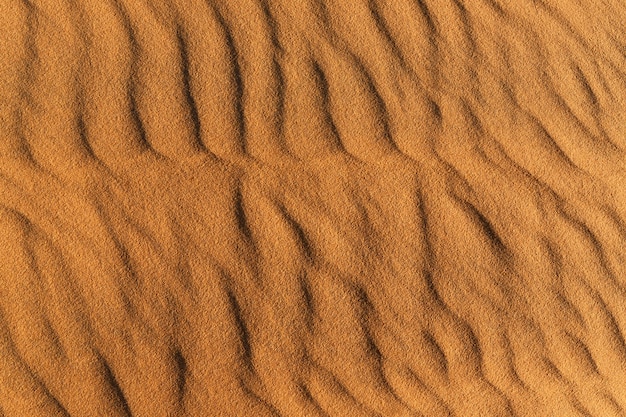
198,143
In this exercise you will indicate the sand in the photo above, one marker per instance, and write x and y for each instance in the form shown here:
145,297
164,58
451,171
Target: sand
324,208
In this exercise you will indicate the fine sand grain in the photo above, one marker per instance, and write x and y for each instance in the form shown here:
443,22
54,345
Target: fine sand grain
312,208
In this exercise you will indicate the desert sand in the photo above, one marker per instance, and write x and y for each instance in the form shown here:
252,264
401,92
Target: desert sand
312,208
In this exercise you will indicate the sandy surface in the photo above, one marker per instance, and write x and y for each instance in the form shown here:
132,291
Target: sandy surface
312,208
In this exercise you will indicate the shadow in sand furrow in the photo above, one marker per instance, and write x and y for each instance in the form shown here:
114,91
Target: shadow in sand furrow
160,84
238,81
358,112
83,145
280,105
31,55
590,240
58,408
431,23
116,395
308,302
511,365
24,97
611,405
580,354
428,256
320,9
81,126
495,6
25,300
180,378
277,53
454,47
303,243
467,27
472,355
420,31
24,389
333,395
243,333
453,343
575,320
589,95
240,214
439,361
603,331
310,399
560,19
379,105
130,279
266,406
46,106
482,223
614,332
258,39
18,382
187,88
385,32
367,319
578,132
324,90
142,142
425,399
55,344
537,131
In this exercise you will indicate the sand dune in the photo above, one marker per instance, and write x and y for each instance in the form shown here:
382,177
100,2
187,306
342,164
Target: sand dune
312,208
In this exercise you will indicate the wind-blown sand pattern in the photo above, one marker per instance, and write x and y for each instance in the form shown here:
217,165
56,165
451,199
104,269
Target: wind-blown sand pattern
312,208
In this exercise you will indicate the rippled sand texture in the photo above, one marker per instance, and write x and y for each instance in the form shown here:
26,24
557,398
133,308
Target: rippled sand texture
312,208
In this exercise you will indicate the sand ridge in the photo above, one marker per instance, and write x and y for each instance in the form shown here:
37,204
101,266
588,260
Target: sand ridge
312,208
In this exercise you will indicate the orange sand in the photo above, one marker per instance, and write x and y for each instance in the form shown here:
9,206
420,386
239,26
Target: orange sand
324,208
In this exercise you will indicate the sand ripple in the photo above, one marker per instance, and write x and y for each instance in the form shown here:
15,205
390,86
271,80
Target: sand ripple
312,208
